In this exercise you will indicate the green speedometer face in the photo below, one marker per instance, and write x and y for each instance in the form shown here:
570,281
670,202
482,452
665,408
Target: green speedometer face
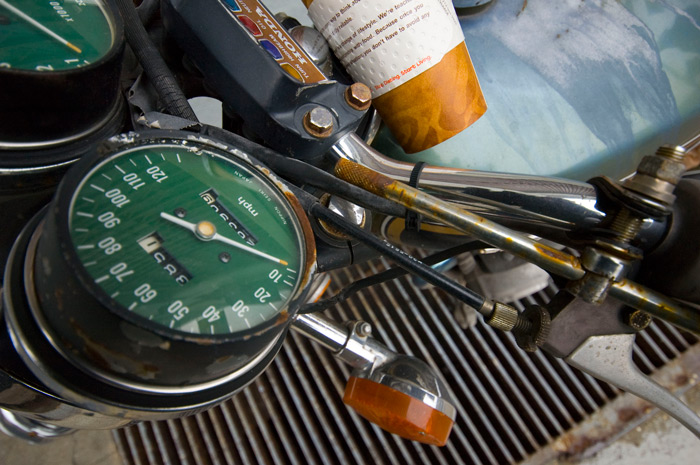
43,35
187,238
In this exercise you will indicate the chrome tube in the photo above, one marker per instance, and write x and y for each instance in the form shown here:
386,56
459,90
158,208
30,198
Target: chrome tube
656,304
348,343
528,203
692,143
321,329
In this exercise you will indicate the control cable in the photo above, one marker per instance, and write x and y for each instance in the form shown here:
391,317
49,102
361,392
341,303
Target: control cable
153,64
387,275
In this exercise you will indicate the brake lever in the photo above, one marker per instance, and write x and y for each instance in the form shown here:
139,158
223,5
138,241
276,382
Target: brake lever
609,358
594,339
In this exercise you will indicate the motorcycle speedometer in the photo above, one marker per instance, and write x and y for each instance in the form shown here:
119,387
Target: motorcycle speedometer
187,239
51,36
168,260
60,65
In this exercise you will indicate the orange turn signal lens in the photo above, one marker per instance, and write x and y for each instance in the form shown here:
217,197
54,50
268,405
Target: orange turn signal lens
396,412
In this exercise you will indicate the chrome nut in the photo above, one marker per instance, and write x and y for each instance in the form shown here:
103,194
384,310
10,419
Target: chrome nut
663,168
363,329
656,189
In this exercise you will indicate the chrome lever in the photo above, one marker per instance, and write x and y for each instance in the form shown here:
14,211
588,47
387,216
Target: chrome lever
609,358
599,340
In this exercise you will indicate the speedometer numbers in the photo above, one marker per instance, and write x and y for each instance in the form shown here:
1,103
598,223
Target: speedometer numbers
188,239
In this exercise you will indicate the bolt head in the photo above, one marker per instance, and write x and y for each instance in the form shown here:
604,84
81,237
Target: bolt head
363,329
358,96
663,168
319,122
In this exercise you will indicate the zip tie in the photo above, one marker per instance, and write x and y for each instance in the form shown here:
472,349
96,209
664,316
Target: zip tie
413,219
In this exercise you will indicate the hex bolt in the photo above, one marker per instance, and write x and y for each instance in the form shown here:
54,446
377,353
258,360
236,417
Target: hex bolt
358,96
665,165
658,174
318,122
363,329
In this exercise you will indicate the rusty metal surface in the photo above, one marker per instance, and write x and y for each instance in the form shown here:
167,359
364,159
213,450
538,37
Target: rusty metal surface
553,260
511,405
656,304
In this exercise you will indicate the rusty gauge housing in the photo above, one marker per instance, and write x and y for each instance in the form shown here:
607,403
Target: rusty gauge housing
168,265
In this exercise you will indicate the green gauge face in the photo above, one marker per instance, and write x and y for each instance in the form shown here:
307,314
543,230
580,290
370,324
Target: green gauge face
188,239
53,35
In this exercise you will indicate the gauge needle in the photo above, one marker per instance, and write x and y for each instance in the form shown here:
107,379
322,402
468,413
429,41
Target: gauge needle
38,25
207,231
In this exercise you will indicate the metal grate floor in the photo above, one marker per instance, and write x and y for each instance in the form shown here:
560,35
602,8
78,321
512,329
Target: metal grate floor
510,403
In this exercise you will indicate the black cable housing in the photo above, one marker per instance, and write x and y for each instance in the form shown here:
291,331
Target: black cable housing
153,64
401,258
147,10
301,173
387,275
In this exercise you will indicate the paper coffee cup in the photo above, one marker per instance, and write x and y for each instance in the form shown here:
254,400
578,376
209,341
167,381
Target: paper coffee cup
411,54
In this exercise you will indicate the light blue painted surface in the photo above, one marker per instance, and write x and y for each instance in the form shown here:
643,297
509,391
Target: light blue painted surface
576,88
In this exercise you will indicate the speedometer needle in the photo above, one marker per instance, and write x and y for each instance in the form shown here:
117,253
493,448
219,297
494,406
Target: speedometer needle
38,25
207,232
